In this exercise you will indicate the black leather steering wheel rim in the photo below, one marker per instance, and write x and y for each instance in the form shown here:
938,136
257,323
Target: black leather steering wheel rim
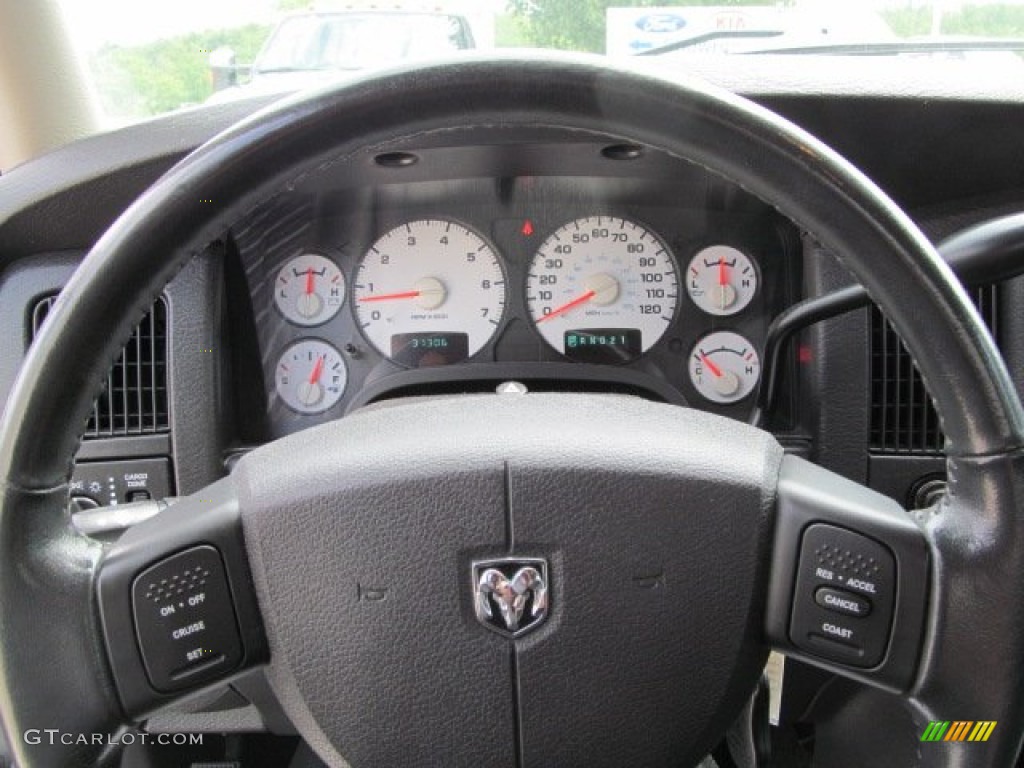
977,542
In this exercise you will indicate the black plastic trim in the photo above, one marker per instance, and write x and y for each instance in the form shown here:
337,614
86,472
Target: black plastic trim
620,378
125,447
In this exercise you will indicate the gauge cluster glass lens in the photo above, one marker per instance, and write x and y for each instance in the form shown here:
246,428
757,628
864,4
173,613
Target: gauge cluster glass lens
311,376
602,289
310,289
429,292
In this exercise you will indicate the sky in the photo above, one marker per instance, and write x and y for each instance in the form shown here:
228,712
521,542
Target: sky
128,22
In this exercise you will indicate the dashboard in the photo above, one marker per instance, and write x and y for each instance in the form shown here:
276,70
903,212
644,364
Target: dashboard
545,263
662,285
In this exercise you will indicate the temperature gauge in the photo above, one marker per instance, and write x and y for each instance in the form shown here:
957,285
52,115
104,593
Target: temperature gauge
724,367
311,376
310,290
721,280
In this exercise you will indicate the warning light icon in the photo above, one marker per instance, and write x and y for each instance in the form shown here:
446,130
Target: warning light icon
527,229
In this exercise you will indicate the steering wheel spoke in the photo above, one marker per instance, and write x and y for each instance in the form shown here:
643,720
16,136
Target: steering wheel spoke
176,601
849,579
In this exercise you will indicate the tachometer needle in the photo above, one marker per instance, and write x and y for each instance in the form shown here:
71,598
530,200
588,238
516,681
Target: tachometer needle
569,306
391,296
715,370
318,370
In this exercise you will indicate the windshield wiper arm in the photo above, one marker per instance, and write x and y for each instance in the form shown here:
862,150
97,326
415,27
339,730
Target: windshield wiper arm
893,48
279,70
690,42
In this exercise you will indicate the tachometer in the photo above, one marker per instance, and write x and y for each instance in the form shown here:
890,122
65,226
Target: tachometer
602,289
430,292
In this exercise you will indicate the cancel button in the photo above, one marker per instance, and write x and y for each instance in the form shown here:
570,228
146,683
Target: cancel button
842,602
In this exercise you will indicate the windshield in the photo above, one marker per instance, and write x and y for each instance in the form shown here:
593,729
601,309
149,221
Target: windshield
353,40
150,58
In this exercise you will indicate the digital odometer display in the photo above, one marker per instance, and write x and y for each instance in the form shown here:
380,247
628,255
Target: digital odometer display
603,345
425,350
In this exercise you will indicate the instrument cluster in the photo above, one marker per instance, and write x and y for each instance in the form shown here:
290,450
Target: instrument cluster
679,297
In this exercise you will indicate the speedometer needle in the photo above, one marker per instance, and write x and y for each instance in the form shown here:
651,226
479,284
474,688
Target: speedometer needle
391,296
569,306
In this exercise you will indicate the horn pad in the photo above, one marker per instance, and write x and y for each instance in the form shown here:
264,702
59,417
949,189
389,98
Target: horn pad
624,545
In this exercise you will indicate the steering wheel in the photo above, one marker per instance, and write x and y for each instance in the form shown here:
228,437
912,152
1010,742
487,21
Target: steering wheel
552,579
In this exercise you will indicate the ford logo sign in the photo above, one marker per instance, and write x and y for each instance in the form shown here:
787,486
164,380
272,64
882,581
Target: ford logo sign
660,23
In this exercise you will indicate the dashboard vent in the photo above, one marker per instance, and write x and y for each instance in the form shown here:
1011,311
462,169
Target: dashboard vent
134,399
903,418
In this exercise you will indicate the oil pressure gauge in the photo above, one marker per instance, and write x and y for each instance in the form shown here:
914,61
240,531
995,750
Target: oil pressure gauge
724,367
310,376
309,290
721,280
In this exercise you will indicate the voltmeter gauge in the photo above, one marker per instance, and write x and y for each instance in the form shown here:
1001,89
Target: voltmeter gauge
724,367
311,376
721,280
309,290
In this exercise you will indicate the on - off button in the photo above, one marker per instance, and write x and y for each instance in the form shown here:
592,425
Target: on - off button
839,601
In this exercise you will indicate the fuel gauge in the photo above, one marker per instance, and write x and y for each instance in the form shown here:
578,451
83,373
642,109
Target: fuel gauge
724,367
311,376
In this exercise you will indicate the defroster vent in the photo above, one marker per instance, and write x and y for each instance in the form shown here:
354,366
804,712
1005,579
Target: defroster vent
903,418
134,400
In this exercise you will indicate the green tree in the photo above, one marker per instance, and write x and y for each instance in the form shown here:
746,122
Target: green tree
143,80
996,20
1000,20
579,25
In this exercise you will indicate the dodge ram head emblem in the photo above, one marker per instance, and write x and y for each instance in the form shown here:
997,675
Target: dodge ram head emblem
511,594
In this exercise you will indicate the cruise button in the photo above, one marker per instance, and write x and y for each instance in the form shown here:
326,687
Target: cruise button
842,602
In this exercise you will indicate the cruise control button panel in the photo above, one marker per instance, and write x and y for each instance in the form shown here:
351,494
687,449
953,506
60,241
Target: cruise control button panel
844,596
185,620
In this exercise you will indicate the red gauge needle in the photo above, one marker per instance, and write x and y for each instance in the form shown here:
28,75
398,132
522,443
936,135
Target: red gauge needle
318,370
391,296
715,370
310,281
723,271
566,307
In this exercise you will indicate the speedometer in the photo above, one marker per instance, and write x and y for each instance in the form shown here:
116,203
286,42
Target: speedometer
430,292
602,289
